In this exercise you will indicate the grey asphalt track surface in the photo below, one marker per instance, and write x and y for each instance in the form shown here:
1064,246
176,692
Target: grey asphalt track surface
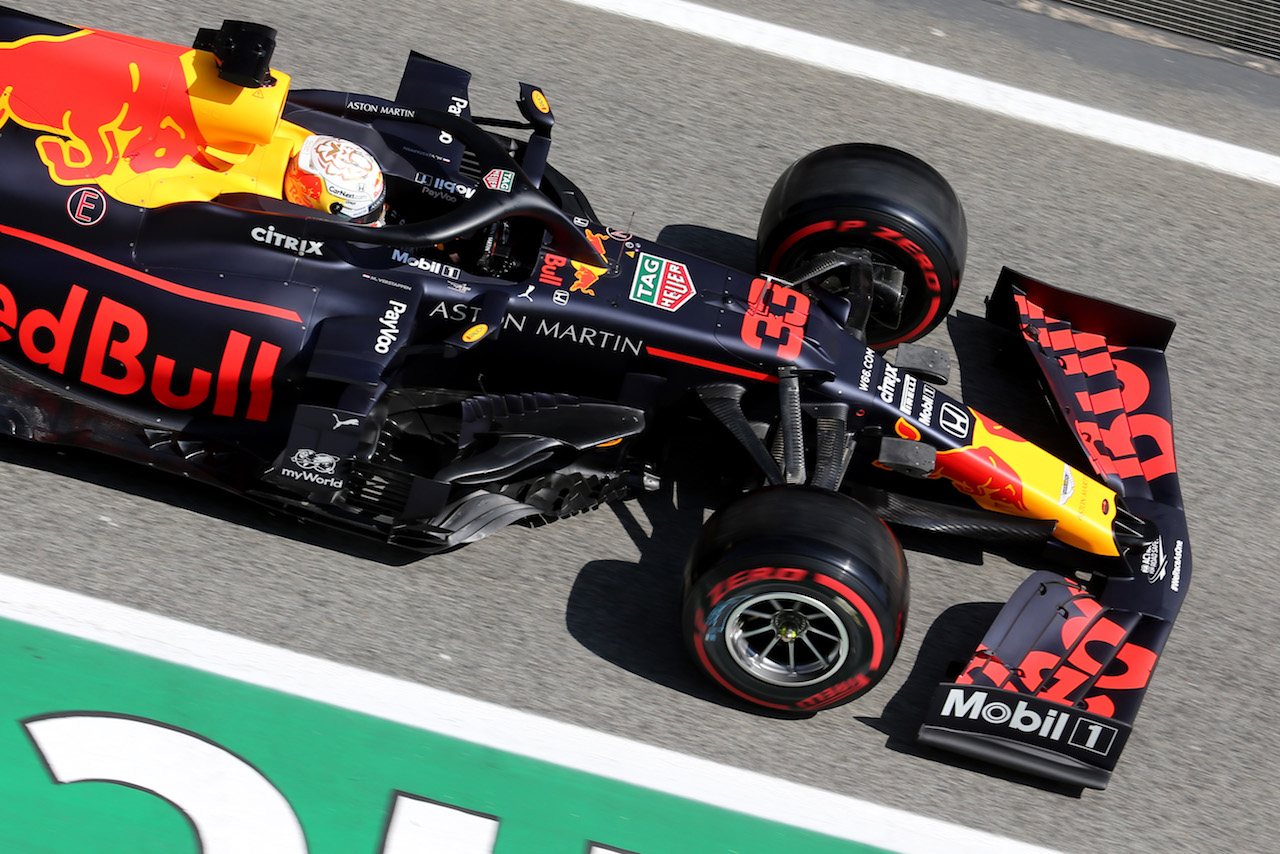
682,137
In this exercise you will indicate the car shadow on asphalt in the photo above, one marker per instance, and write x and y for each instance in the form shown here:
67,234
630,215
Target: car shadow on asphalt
999,379
129,478
629,613
957,630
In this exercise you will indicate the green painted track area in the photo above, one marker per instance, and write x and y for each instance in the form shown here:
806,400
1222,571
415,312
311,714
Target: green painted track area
338,770
109,750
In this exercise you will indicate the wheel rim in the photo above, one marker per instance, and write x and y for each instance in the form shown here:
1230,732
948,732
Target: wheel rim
911,313
787,639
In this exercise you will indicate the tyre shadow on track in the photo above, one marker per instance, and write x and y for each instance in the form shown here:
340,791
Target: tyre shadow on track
129,478
999,379
613,603
629,613
956,631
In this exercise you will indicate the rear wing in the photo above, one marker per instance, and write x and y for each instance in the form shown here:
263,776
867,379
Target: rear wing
1055,685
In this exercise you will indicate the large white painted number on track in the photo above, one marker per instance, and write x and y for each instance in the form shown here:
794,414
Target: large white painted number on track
233,808
419,826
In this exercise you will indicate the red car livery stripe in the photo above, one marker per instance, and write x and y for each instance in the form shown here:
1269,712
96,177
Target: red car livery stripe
154,281
706,363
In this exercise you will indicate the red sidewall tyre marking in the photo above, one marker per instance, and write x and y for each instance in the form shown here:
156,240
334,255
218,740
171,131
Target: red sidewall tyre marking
795,238
935,301
877,644
700,622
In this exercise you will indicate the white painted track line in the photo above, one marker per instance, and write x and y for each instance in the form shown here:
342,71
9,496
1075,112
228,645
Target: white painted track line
997,98
491,725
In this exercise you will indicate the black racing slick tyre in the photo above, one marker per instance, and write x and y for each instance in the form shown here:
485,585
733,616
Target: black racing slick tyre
795,598
888,202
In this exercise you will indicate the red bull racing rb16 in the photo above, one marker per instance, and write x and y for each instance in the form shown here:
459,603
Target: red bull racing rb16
344,306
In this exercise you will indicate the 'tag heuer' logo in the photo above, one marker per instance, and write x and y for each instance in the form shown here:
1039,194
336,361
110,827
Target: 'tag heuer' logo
661,283
501,180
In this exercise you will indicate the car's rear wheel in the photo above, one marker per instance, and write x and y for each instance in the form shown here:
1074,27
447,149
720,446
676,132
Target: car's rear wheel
888,202
795,598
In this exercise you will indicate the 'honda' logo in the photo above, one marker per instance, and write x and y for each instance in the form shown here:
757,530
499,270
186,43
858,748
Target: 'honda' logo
954,420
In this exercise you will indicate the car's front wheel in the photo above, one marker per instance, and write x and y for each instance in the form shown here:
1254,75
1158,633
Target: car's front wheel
882,200
795,598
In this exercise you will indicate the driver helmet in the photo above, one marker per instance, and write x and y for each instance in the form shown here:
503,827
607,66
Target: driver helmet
336,176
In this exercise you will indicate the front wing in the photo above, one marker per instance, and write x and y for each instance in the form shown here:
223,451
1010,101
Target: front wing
1054,687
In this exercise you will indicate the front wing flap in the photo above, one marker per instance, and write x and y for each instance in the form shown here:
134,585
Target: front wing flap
1055,685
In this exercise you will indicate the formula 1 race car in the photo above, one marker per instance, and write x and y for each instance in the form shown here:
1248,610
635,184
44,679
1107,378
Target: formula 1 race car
489,353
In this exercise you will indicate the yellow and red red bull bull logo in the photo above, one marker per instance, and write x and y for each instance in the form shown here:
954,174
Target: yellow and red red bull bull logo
148,122
89,93
584,275
1004,472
